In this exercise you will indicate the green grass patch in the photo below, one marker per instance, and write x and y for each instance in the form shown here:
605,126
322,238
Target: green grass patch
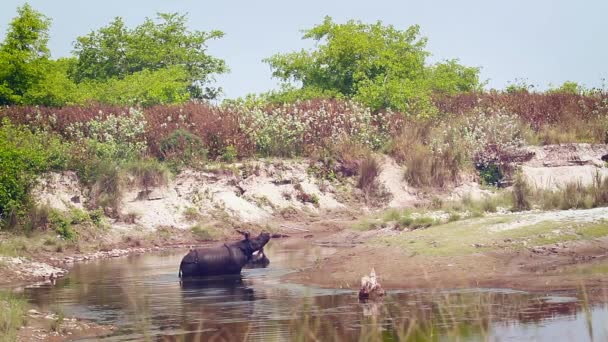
481,234
203,232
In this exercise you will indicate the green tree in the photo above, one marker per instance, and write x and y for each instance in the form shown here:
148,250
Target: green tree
146,88
24,54
115,51
55,88
373,63
568,87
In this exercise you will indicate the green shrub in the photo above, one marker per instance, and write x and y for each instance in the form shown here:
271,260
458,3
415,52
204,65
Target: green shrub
97,217
183,148
23,156
230,154
62,225
119,138
490,174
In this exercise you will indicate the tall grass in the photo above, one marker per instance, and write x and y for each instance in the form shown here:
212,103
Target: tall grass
368,174
573,195
13,311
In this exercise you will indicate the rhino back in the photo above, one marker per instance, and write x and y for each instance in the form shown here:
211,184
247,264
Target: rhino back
220,260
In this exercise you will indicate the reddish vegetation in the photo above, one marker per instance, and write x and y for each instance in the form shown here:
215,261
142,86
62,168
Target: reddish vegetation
583,116
537,109
217,127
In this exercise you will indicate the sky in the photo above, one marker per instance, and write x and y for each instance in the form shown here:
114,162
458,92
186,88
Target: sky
544,42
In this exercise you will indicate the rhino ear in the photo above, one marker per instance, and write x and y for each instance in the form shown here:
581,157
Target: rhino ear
244,233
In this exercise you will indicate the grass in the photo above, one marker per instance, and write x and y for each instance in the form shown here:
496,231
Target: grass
148,173
415,316
205,232
574,195
368,175
191,214
13,309
461,238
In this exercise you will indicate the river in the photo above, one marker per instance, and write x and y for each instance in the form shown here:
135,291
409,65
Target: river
143,297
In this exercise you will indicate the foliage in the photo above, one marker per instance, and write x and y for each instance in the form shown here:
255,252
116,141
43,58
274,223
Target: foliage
108,136
23,155
182,148
573,195
490,174
115,52
378,65
554,116
55,88
230,154
303,127
62,224
23,55
426,164
145,88
568,87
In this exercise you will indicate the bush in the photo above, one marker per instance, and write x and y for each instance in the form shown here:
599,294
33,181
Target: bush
148,173
182,147
24,154
490,174
230,154
557,117
106,191
62,225
368,174
305,127
521,193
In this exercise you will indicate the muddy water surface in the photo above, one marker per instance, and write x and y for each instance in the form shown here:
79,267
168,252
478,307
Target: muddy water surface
142,296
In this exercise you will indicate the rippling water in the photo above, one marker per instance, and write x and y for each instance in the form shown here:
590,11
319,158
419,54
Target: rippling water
143,297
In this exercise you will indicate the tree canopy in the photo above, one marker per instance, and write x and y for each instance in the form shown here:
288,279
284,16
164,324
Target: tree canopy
115,51
377,64
157,62
24,54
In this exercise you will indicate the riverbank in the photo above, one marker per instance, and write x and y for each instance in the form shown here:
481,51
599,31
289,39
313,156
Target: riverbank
531,251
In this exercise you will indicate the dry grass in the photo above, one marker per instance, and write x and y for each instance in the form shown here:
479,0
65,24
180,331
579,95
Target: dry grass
148,173
573,195
368,174
521,193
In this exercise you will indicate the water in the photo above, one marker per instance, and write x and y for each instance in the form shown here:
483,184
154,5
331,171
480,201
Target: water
142,296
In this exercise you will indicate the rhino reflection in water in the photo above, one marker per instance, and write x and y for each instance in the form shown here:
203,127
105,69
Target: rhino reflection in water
227,259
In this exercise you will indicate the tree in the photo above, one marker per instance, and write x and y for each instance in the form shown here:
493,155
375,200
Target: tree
378,65
116,51
24,54
146,88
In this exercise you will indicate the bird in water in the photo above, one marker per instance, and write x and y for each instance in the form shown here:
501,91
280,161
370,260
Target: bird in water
370,287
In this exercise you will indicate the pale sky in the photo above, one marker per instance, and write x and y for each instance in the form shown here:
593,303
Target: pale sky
542,41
